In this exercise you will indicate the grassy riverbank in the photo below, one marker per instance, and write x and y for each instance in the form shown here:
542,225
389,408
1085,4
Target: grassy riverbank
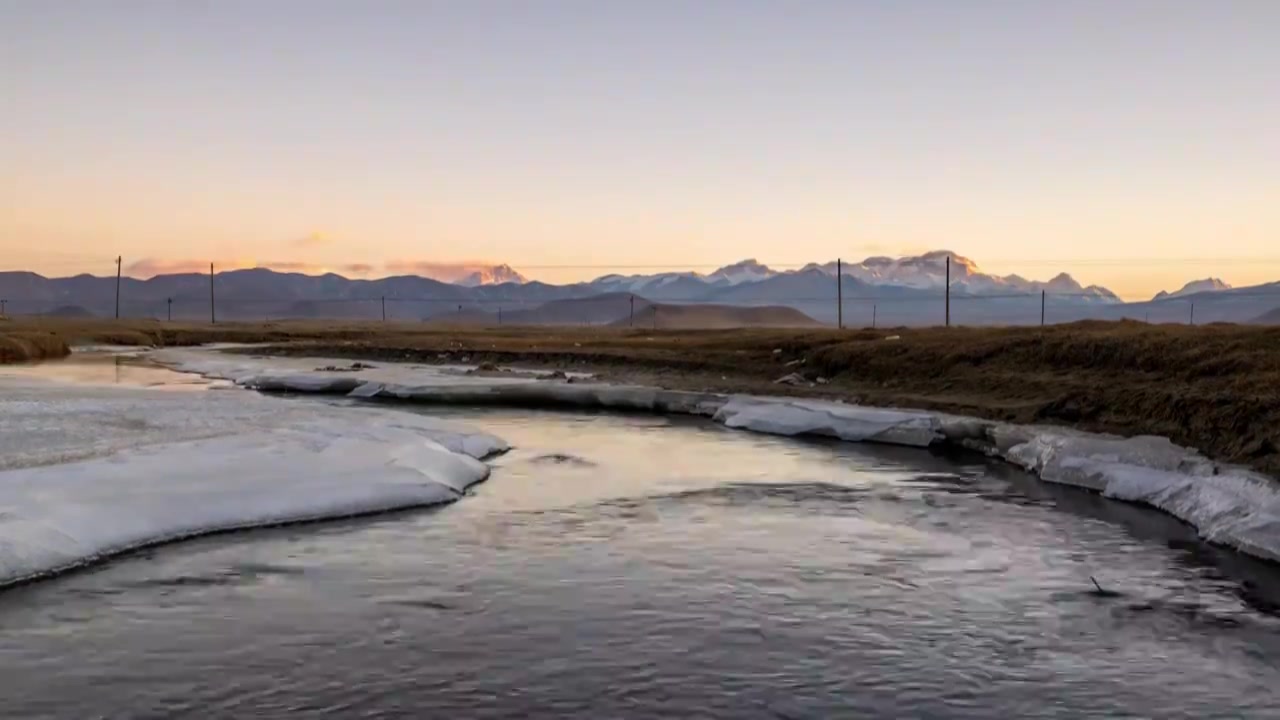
1214,388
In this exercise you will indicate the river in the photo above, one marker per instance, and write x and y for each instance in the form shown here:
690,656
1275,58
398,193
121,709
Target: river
640,566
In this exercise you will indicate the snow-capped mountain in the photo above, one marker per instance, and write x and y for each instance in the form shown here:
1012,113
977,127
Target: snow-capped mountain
741,272
1194,287
684,283
929,272
495,275
926,272
463,274
668,285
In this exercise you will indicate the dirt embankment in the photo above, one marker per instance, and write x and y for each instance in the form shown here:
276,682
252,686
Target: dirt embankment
1215,388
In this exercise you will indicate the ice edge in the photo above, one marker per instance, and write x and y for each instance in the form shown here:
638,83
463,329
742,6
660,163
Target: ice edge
1227,505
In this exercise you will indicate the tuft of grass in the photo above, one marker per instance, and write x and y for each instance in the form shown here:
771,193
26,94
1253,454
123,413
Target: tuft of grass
30,346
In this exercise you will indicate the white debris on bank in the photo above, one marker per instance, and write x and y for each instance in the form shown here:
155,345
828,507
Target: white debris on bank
1227,504
91,472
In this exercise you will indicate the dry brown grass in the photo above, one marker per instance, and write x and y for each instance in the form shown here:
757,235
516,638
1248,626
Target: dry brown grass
1216,388
22,346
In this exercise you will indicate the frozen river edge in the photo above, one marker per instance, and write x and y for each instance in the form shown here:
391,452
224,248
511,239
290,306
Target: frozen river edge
1227,505
91,472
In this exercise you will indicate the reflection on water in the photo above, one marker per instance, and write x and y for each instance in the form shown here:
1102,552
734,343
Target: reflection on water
632,566
106,368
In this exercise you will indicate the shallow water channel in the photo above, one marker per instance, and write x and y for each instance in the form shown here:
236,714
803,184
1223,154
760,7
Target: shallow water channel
639,566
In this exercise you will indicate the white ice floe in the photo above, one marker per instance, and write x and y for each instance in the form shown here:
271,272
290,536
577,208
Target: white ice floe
779,416
1227,504
90,472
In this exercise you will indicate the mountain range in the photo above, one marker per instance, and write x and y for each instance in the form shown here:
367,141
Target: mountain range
882,290
1195,287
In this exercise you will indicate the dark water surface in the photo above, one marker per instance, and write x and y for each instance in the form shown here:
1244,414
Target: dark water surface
644,567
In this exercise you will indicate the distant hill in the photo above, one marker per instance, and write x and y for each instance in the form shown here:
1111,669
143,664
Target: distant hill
1268,318
625,309
1235,305
704,316
596,310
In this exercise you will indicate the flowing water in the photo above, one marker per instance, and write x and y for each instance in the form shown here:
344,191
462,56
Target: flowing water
636,566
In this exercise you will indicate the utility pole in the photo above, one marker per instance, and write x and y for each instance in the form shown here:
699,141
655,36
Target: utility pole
873,317
118,262
1192,320
839,295
633,311
948,291
384,308
169,313
213,315
1042,308
655,316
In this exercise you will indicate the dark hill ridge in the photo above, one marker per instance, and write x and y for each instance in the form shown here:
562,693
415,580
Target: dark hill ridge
669,316
626,310
1268,318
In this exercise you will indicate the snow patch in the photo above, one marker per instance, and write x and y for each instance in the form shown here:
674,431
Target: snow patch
91,472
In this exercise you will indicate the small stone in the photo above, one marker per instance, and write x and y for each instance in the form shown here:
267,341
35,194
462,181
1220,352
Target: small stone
822,381
792,379
777,351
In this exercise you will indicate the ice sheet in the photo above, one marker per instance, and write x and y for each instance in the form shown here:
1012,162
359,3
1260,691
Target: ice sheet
89,472
1227,504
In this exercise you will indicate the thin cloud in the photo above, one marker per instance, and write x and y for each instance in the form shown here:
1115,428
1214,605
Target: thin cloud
443,271
315,238
150,267
292,266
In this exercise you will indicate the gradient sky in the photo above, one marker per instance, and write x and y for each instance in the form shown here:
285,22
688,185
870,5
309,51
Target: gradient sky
1133,143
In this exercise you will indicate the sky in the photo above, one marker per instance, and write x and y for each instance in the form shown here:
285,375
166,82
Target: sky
1131,143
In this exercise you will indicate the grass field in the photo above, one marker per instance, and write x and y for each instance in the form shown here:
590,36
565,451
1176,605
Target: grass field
1215,388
